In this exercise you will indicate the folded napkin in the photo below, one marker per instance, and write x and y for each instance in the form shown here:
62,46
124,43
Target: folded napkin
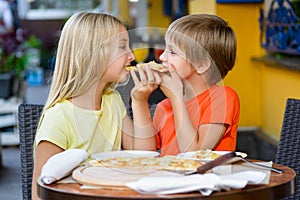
62,164
234,168
206,183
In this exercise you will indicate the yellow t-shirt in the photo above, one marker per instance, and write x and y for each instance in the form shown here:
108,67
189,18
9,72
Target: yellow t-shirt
69,126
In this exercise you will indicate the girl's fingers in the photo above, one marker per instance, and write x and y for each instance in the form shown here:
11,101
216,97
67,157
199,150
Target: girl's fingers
142,74
134,77
150,75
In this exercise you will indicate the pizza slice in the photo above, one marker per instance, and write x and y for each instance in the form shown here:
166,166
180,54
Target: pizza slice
153,65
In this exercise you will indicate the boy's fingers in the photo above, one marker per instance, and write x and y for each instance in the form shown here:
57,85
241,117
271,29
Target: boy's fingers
172,71
157,77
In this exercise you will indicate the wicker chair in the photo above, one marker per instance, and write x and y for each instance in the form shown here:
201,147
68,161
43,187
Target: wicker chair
28,118
288,151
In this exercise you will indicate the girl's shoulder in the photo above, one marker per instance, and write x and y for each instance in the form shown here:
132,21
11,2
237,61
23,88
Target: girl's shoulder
59,108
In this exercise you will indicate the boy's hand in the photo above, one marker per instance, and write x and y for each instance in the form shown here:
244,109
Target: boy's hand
148,81
172,85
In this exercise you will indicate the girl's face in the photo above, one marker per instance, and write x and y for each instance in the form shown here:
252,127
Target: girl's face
176,57
121,56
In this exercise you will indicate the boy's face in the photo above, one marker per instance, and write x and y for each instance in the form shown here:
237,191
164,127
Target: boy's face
176,57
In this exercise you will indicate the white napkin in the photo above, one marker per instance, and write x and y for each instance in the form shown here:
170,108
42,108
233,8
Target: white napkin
234,168
61,164
206,183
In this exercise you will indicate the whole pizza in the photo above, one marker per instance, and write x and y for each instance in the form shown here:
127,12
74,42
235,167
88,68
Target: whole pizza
115,172
157,163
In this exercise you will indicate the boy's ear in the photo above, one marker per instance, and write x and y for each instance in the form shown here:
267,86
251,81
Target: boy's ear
204,65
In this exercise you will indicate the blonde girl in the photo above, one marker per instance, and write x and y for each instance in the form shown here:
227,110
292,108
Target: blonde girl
83,110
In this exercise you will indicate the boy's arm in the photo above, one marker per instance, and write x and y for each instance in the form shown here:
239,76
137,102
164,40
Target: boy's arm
190,139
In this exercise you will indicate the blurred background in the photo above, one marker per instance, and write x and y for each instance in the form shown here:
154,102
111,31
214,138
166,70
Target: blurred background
265,75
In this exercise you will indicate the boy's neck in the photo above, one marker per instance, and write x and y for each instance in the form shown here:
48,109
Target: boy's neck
194,86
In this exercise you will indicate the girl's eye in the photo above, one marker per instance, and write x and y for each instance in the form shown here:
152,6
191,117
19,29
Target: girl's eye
123,47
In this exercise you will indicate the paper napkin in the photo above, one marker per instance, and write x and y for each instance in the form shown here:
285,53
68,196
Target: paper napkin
234,168
62,164
206,183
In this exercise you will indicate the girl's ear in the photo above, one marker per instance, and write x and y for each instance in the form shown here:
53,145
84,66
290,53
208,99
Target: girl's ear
204,65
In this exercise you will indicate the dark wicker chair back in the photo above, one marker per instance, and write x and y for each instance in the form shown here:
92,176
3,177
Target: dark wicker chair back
288,151
28,118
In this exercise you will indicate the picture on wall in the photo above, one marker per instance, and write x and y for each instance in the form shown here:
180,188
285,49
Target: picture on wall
239,1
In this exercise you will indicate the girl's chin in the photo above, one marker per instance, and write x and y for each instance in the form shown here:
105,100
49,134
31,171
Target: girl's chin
124,79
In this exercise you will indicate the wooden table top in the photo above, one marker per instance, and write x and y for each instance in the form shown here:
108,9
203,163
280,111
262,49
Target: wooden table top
281,185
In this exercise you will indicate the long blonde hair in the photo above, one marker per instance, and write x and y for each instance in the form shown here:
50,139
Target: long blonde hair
82,54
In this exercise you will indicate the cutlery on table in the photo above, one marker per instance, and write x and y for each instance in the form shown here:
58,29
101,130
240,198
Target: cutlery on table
260,165
216,162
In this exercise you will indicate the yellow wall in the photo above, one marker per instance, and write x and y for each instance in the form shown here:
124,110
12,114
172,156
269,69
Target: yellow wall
202,6
124,12
156,14
278,85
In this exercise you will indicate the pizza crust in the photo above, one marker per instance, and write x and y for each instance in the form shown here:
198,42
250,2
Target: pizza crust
114,178
154,66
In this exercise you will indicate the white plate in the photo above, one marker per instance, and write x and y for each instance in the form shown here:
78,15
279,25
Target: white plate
124,153
192,153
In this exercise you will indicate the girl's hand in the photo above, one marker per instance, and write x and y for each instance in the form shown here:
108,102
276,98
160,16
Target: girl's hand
172,85
148,81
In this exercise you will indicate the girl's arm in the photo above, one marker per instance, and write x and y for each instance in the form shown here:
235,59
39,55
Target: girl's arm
127,133
144,134
43,152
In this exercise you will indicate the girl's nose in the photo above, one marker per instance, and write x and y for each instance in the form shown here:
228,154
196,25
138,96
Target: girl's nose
131,56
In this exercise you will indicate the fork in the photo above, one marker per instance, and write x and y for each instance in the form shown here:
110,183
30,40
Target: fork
260,165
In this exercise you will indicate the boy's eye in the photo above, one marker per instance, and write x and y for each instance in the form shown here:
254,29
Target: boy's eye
172,52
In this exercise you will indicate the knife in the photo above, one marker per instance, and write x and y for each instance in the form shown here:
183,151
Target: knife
216,162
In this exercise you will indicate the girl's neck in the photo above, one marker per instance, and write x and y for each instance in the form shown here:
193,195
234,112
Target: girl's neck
91,99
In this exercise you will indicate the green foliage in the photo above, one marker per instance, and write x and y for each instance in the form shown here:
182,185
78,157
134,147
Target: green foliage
13,57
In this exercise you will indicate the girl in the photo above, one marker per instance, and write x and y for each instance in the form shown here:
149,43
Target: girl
83,110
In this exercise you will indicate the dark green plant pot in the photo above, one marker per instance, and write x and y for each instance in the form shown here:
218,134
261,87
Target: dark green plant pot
6,85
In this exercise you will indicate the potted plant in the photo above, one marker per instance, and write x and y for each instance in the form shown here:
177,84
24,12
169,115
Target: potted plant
13,61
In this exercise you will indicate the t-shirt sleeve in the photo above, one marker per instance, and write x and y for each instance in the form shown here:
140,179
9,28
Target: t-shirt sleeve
157,118
52,128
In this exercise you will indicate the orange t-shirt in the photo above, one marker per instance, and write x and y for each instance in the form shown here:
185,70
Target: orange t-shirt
218,104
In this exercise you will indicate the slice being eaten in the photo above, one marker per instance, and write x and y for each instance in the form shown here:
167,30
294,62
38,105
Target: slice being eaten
154,66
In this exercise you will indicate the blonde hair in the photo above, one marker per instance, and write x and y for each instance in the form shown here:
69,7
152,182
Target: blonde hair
82,54
202,36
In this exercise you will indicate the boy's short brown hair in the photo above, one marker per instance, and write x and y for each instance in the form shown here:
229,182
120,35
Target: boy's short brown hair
204,35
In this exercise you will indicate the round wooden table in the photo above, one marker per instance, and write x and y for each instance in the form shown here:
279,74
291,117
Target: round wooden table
281,185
